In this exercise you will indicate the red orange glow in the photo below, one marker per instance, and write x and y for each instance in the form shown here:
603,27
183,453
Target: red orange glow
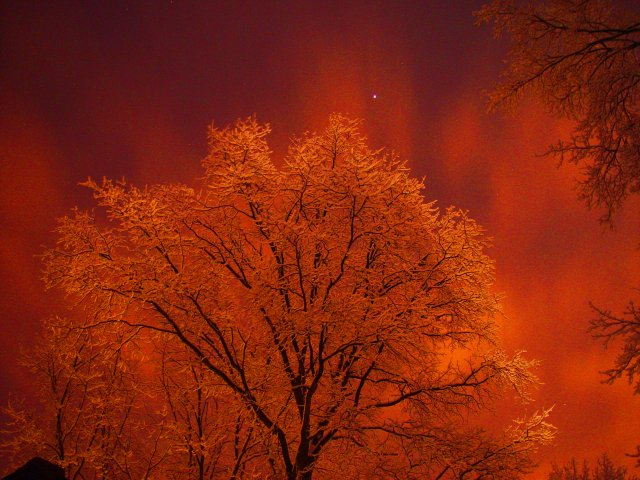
115,93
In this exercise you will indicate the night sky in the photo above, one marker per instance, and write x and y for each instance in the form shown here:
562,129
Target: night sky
127,89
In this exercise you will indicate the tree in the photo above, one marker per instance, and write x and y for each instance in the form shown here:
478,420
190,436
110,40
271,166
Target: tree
207,437
626,327
347,320
603,470
99,415
582,57
86,419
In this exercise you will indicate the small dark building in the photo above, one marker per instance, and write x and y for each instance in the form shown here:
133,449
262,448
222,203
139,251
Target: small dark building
37,469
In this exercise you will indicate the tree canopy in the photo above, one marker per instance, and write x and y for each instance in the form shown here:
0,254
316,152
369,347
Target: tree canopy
581,56
314,318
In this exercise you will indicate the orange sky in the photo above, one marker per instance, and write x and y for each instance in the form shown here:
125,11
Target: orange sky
119,90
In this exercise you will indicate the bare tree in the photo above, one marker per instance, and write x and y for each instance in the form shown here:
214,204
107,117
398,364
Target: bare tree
609,327
626,328
582,57
349,320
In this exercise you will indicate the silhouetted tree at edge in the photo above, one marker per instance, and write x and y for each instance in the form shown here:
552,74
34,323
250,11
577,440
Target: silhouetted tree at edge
604,469
583,58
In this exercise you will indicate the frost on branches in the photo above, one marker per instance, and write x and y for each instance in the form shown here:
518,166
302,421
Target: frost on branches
89,392
582,57
337,324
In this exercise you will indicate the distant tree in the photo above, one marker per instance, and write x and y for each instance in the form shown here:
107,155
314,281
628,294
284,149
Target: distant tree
603,470
582,56
347,322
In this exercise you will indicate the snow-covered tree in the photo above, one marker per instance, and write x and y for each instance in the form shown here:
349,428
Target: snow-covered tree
88,416
582,57
347,322
206,435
